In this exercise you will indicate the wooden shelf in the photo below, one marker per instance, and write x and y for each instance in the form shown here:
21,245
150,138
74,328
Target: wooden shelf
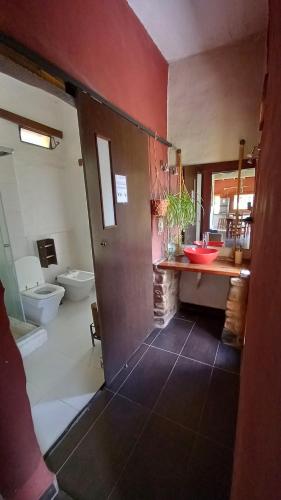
47,252
220,267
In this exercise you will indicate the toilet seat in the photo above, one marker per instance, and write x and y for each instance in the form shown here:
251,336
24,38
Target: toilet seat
40,300
45,291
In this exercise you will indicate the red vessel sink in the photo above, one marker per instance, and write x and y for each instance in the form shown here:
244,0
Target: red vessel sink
201,255
210,244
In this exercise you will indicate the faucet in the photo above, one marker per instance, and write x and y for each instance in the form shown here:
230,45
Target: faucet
205,240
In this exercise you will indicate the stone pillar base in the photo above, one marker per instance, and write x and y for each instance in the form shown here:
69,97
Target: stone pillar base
165,295
235,313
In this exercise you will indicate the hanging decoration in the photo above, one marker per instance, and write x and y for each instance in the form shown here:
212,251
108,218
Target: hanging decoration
158,201
180,211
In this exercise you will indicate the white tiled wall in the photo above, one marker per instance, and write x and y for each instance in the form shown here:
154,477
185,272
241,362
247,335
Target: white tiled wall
43,191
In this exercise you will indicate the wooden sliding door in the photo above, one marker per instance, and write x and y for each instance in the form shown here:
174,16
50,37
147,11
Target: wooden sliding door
115,156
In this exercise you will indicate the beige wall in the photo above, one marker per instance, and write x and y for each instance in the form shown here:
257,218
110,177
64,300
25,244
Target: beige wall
213,101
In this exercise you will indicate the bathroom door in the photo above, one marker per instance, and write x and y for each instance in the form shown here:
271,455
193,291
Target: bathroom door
115,158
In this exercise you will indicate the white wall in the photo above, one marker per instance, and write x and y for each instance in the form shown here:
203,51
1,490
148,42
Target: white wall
213,101
44,193
211,292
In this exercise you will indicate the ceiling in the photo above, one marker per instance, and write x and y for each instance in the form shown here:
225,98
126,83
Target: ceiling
181,28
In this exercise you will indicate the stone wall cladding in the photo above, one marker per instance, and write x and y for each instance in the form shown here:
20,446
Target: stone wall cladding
235,314
165,295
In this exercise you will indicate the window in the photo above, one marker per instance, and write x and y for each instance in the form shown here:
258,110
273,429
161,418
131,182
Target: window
244,199
217,204
104,162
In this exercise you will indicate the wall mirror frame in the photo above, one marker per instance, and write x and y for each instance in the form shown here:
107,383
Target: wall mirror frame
219,195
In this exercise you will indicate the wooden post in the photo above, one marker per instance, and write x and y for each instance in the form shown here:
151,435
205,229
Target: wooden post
179,164
241,158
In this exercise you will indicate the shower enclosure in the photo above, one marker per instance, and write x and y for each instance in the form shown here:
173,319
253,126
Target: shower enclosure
7,271
28,336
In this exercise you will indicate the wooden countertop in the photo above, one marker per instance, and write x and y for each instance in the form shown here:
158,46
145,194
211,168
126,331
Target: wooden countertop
221,267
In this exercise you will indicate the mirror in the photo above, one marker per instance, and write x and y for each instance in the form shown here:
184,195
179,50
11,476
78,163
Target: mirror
224,199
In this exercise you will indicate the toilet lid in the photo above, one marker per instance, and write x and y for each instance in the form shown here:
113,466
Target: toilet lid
29,273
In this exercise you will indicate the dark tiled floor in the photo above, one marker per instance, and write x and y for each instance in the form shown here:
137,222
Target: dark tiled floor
63,496
164,429
228,358
174,336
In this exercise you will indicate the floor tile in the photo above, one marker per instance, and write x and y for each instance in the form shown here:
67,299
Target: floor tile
209,473
228,358
219,417
201,345
44,367
147,379
96,464
186,314
79,384
173,337
62,495
158,465
61,452
212,323
152,336
50,419
123,374
65,370
185,393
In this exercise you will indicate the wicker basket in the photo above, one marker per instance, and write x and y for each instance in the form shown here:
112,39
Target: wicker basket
159,207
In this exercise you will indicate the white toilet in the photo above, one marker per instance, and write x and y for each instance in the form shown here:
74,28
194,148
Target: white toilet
40,300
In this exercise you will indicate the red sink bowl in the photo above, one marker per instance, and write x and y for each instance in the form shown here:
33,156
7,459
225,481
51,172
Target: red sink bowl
201,255
210,244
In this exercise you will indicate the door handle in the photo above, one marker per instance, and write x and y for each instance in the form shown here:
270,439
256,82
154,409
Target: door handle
103,243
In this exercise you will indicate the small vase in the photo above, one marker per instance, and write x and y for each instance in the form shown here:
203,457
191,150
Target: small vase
171,250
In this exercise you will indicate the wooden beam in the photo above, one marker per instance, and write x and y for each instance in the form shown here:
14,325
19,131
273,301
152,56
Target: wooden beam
40,128
24,62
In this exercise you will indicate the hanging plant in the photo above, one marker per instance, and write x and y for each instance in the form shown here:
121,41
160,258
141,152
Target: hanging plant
180,210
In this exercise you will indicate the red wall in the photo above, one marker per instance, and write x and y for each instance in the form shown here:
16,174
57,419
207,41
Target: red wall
102,44
23,473
257,471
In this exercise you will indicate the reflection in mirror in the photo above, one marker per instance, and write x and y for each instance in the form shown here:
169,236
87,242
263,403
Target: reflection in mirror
224,205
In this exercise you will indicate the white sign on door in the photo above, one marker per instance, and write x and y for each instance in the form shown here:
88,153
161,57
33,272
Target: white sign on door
121,189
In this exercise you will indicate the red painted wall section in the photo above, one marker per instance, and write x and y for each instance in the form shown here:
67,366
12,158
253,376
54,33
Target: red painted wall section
103,45
23,473
257,473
